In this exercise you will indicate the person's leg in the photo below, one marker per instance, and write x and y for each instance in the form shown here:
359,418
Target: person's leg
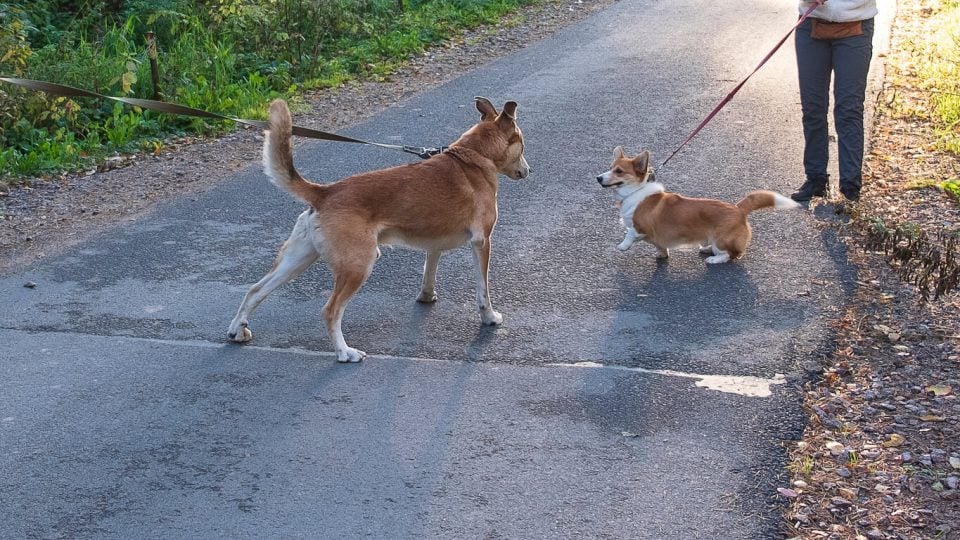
814,65
851,58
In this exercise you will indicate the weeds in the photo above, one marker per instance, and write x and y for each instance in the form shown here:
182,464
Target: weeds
932,264
225,56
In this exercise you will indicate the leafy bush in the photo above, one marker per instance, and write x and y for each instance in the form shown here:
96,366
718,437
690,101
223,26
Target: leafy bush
225,56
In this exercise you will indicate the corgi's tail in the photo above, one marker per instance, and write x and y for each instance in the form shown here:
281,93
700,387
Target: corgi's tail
278,157
758,200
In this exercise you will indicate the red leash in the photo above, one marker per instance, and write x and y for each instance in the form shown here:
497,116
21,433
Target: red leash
817,3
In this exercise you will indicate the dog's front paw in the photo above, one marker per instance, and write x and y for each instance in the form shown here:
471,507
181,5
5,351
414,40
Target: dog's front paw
350,355
427,297
491,317
625,245
239,333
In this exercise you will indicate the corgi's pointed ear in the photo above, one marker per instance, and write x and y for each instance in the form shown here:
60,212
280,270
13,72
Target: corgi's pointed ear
487,110
641,163
618,152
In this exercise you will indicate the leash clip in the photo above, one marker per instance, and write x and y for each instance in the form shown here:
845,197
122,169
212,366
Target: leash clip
423,152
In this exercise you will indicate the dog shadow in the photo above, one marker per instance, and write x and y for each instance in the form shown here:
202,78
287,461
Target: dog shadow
684,304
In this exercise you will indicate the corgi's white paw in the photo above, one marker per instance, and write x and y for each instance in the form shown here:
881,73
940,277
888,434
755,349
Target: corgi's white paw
718,259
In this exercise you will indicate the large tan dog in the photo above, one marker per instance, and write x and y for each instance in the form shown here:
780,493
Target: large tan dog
668,220
434,205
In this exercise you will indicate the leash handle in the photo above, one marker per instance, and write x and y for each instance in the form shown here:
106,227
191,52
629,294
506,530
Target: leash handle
173,108
724,101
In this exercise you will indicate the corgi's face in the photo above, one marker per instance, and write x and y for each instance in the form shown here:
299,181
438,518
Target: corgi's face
625,171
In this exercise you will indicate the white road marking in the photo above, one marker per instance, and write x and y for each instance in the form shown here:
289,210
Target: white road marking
745,385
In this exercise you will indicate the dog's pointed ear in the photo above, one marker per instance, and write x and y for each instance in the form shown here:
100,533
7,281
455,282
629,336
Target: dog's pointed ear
641,163
618,153
509,110
487,110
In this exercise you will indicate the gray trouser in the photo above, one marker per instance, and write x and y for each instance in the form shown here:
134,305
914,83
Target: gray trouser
848,60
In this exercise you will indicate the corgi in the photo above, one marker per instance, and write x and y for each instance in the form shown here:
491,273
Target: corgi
668,220
434,205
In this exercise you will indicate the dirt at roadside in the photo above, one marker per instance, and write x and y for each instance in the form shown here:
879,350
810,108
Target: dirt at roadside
880,457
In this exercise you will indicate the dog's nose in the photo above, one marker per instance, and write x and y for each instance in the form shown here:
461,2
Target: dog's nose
600,180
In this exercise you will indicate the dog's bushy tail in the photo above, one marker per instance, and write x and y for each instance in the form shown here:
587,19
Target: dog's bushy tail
758,200
278,156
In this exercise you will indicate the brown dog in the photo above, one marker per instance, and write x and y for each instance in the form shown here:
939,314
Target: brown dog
668,220
434,205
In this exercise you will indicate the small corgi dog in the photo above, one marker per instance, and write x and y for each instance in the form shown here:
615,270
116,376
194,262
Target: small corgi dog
668,220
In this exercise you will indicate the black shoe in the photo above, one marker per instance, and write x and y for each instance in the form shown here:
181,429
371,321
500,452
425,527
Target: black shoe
810,189
852,193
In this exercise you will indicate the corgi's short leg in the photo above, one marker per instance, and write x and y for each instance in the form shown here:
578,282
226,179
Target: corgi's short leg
629,238
663,253
720,257
708,249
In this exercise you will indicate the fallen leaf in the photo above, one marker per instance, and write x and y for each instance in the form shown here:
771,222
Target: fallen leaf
955,462
787,492
847,493
834,447
895,440
940,389
932,418
629,434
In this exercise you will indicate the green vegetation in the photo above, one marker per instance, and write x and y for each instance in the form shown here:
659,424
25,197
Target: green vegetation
226,56
937,58
952,187
943,78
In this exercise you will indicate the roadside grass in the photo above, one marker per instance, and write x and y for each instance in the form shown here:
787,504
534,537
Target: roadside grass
942,73
232,59
935,68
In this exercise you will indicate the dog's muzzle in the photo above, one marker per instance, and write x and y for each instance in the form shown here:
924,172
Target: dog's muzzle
600,181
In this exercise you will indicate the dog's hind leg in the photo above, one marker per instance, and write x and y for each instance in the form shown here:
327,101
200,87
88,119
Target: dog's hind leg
428,291
729,248
481,259
295,256
719,258
350,271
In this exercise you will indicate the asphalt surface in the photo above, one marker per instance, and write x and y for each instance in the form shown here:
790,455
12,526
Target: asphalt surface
125,413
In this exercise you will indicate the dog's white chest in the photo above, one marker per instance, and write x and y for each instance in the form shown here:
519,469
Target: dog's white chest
630,200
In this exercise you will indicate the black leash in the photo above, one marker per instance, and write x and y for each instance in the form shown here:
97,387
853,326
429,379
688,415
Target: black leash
173,108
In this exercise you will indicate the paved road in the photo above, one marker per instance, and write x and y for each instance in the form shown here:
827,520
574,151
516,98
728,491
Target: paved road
124,413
